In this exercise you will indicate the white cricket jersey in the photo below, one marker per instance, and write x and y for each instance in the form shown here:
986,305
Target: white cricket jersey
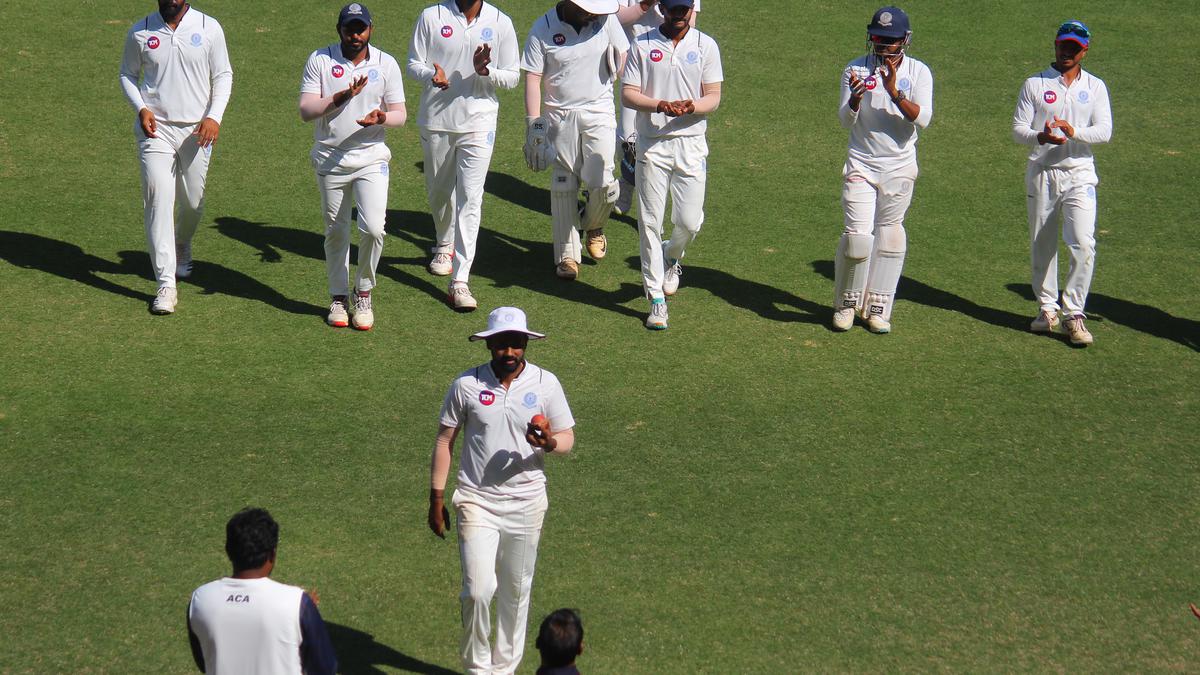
443,36
881,137
573,65
1084,104
248,626
672,72
181,75
653,18
339,140
496,458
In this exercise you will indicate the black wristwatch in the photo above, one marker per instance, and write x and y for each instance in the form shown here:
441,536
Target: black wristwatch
900,96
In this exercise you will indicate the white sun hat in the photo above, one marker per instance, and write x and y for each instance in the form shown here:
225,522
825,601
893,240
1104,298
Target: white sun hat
597,6
506,320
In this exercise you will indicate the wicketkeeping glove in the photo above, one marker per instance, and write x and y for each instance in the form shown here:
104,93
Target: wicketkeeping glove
538,152
612,57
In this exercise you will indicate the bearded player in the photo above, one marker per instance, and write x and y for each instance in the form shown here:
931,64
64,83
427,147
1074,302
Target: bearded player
887,97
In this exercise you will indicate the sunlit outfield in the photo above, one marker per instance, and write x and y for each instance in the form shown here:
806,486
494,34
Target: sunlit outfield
750,492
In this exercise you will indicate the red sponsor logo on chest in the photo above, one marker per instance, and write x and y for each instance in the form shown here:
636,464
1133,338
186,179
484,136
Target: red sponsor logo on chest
338,71
486,397
560,39
447,31
152,43
656,55
1049,97
871,82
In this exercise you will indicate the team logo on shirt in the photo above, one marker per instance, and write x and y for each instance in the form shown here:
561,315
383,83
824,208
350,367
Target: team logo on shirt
1049,97
447,31
486,34
338,71
693,57
871,82
152,43
905,83
373,74
491,138
196,39
560,39
1083,97
1091,191
486,397
530,400
383,169
656,55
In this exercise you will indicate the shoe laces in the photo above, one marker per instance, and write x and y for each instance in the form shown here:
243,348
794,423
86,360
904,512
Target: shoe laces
460,290
658,310
164,292
441,258
676,270
338,305
362,302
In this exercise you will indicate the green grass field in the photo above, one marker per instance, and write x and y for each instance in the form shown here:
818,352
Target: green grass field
750,492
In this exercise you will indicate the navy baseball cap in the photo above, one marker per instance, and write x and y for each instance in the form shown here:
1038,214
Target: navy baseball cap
889,22
354,12
1074,31
672,4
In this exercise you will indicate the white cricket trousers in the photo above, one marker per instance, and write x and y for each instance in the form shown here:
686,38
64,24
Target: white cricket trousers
456,166
1069,194
174,168
677,166
497,542
366,188
873,199
585,146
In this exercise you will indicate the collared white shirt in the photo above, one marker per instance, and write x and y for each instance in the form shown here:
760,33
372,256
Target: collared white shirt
1084,105
574,66
496,458
248,626
881,137
443,36
653,18
671,72
340,141
181,75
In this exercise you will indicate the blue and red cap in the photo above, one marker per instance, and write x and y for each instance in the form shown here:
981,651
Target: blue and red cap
1074,31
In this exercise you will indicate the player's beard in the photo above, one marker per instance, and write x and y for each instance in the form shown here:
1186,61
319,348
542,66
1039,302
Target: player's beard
350,51
506,365
170,10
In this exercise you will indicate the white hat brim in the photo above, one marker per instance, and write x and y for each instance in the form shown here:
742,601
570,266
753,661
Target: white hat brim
597,6
485,334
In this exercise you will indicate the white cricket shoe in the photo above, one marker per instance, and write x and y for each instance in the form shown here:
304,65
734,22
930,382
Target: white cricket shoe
1078,332
460,298
624,198
442,264
876,324
338,316
164,301
670,285
1045,322
843,319
567,269
658,315
183,261
364,317
597,243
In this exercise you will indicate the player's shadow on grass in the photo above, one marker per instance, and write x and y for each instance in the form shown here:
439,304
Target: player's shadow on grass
1143,318
272,241
359,654
915,291
766,301
66,260
213,279
508,261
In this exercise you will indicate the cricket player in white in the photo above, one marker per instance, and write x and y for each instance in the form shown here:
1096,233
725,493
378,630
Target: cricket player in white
673,79
353,91
887,96
1061,112
463,51
175,73
248,623
572,56
511,414
637,17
